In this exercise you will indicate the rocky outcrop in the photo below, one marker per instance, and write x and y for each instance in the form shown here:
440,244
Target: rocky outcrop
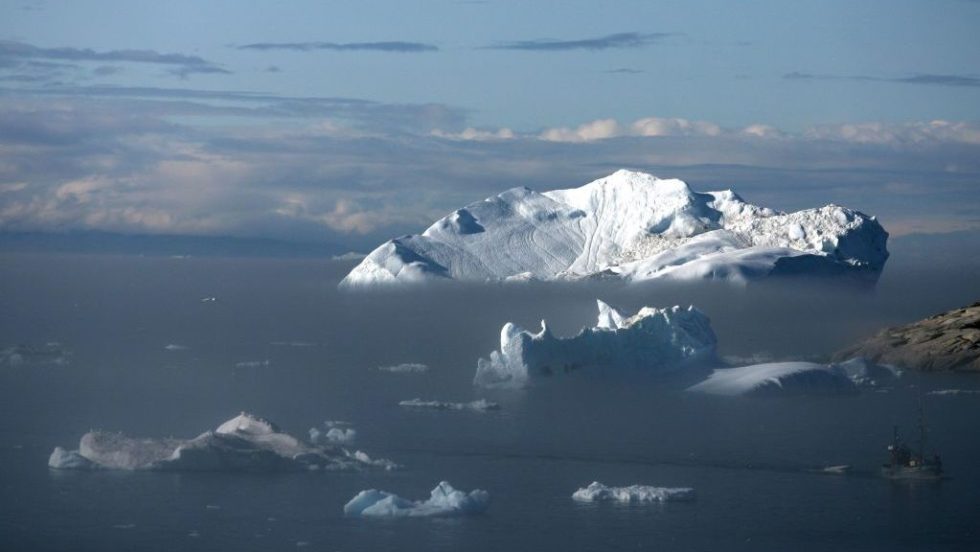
945,342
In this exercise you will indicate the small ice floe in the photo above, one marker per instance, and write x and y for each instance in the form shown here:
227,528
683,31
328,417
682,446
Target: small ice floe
949,392
444,500
253,364
349,256
333,433
842,469
51,353
209,299
124,526
244,443
194,534
479,405
175,347
302,344
796,378
597,492
405,368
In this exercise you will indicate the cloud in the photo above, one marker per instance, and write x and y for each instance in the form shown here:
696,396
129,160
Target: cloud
604,129
968,81
475,134
387,46
181,64
356,174
607,42
623,71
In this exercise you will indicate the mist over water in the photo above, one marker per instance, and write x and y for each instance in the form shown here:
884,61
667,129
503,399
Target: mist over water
280,340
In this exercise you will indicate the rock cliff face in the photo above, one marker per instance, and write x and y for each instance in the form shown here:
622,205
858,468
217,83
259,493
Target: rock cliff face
945,342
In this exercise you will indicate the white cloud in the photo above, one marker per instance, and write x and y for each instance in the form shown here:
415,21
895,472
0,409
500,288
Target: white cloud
897,134
477,135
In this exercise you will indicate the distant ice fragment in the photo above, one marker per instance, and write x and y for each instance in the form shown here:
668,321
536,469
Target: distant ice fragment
443,501
405,368
479,405
253,364
951,392
597,492
334,433
51,353
243,443
653,340
175,347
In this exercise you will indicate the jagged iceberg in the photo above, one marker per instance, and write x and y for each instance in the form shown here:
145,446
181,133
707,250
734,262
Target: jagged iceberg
795,378
653,340
443,501
597,492
632,226
244,443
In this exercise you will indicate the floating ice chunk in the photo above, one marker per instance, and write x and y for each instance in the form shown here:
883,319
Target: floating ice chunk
363,458
70,460
777,378
253,364
653,340
175,347
443,501
244,443
349,256
597,492
951,392
335,433
479,405
51,353
405,368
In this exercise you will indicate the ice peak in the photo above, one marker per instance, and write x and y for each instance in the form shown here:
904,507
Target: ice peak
248,424
609,318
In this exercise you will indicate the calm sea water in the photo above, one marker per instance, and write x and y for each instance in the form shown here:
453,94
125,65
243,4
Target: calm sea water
751,462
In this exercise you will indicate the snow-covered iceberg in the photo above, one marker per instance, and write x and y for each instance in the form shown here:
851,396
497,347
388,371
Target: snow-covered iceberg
244,443
632,226
597,492
653,340
479,405
795,378
443,501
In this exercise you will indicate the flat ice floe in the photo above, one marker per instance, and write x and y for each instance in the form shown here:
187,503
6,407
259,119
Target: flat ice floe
653,340
444,500
795,378
597,492
405,368
244,443
51,353
479,405
630,226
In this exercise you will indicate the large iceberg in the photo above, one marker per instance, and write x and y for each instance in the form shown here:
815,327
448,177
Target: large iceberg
653,340
632,226
443,501
795,378
244,443
597,492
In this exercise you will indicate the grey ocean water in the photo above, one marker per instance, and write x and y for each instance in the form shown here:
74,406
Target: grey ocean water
750,461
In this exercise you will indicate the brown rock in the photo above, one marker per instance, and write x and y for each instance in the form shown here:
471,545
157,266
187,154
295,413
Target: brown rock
945,342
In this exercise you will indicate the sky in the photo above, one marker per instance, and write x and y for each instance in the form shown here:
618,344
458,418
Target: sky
354,121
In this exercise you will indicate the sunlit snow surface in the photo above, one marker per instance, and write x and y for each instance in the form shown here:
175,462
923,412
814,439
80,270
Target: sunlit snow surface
244,443
597,492
443,501
653,340
795,378
631,226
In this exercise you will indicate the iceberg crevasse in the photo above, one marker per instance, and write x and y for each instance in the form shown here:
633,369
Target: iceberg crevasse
628,225
652,340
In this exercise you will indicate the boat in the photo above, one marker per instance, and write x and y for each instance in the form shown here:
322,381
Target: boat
904,463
